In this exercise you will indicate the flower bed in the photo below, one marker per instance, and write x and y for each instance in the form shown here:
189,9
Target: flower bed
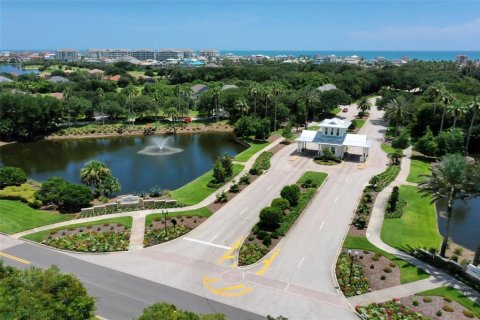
262,163
392,310
350,276
91,241
156,236
276,220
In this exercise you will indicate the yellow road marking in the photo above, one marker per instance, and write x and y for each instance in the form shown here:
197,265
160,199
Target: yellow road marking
267,263
229,254
3,254
229,291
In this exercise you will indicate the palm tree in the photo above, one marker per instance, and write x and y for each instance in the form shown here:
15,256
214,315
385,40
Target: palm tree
445,100
475,107
99,95
266,93
277,89
216,92
310,96
131,92
364,105
436,90
172,113
67,94
242,105
397,110
94,173
452,178
253,92
157,98
395,157
457,110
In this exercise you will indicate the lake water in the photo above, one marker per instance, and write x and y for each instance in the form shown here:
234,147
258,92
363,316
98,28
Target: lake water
465,224
15,69
138,162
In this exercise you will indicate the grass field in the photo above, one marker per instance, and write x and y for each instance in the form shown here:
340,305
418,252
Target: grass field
40,236
315,177
201,212
336,110
197,190
16,216
388,148
418,168
255,146
417,228
408,272
449,292
358,123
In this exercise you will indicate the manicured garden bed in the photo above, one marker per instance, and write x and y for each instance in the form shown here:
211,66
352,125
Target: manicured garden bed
160,235
391,310
262,163
201,212
197,190
16,216
92,241
418,168
276,220
454,295
417,228
350,276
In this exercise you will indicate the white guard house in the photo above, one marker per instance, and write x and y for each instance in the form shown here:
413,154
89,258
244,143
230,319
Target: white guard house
333,134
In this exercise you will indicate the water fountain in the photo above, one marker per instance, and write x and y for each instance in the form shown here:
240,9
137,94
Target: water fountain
159,148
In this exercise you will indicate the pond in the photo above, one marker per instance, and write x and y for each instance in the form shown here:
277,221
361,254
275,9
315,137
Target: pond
15,69
465,224
138,162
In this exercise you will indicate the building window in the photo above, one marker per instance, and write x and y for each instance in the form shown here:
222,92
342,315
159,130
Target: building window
332,149
338,131
331,131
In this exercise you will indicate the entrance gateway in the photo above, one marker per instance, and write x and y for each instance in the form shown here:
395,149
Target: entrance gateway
333,135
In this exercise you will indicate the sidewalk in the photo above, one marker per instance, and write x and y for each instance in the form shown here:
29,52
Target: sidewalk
437,277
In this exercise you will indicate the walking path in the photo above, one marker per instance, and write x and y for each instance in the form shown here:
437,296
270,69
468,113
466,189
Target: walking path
138,222
437,278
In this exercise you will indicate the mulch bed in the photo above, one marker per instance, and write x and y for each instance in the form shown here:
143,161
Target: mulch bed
189,221
429,309
374,275
353,230
277,148
110,227
215,206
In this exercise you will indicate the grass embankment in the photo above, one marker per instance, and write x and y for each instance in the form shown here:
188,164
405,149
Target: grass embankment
16,216
201,212
417,228
40,236
388,148
408,272
455,295
197,190
358,123
418,168
255,146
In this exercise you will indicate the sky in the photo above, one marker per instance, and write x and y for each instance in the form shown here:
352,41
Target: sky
242,24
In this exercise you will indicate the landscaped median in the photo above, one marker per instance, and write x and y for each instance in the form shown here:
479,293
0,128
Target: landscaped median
276,220
97,236
161,228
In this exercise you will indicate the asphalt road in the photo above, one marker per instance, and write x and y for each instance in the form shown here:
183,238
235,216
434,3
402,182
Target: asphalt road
120,295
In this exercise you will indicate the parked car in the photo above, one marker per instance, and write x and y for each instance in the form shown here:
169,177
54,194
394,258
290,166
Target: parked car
345,110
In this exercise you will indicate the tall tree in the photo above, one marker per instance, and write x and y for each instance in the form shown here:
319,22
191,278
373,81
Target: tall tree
309,96
67,95
445,100
475,108
457,110
364,105
277,89
99,96
253,92
452,178
266,93
216,93
242,105
397,110
172,113
436,90
130,92
96,174
157,98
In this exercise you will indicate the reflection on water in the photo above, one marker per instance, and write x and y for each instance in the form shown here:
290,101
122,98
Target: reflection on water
137,172
465,224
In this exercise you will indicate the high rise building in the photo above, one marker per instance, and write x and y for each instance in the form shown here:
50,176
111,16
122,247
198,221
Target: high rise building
67,55
209,53
165,54
143,54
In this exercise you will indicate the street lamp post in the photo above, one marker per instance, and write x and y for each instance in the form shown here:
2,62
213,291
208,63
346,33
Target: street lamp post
165,213
353,255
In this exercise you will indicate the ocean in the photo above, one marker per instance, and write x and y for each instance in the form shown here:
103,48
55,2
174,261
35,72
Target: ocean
369,55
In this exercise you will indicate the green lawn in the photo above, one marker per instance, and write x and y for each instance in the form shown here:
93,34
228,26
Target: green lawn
316,177
313,128
255,146
336,110
455,295
16,216
408,272
358,123
417,228
388,148
418,168
197,190
40,236
201,212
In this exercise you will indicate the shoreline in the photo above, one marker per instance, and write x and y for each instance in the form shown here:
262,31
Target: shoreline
136,133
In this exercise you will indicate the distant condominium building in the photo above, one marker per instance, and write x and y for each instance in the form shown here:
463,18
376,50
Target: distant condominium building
209,53
67,55
165,54
143,54
461,59
108,53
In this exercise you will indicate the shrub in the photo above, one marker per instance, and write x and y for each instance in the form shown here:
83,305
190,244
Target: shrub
387,270
415,303
458,251
251,238
234,188
291,193
245,179
309,184
383,277
439,313
280,203
372,266
468,313
267,241
261,235
392,265
222,197
262,163
448,308
447,299
270,218
427,299
402,141
24,193
360,222
12,176
454,258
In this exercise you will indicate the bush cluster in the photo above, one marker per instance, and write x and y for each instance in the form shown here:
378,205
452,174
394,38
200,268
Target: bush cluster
67,196
12,176
261,164
92,241
380,181
395,205
24,193
222,171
